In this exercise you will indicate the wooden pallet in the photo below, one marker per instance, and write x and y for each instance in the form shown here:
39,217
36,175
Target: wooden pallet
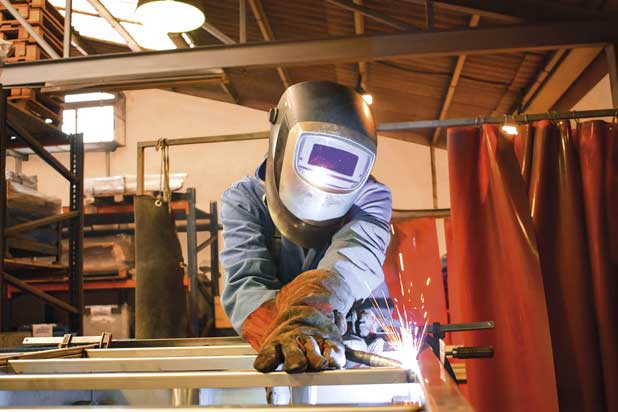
40,105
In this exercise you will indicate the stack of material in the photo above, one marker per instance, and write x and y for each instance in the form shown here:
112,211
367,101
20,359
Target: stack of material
96,187
25,204
106,256
48,23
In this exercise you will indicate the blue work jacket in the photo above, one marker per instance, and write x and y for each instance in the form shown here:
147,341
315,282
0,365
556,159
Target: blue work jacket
253,274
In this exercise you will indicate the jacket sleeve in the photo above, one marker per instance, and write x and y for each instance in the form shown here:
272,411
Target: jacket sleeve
358,249
250,271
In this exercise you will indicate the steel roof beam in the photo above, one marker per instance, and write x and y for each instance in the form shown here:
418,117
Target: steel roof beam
267,33
201,60
103,12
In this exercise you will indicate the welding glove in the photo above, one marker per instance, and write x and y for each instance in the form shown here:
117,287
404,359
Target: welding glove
302,326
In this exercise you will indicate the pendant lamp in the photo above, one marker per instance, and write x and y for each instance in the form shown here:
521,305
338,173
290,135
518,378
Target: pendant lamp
170,16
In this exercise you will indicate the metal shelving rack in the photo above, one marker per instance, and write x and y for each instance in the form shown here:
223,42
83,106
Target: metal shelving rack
35,134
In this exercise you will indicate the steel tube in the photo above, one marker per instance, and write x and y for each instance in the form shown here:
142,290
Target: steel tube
480,120
227,379
141,343
101,365
231,350
291,408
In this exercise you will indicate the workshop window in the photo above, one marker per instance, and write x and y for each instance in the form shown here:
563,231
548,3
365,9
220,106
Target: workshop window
99,116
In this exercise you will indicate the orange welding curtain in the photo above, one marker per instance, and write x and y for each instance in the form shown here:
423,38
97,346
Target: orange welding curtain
533,250
413,272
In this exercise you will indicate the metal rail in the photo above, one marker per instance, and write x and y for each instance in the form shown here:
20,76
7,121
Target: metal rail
145,364
403,407
46,297
33,224
224,350
226,379
513,118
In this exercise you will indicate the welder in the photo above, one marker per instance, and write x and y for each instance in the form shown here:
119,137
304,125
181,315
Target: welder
306,236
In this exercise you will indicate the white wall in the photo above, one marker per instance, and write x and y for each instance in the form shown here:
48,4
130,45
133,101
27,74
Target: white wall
153,114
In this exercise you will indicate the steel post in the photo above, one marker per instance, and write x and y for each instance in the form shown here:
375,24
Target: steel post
68,29
4,142
214,248
192,261
76,235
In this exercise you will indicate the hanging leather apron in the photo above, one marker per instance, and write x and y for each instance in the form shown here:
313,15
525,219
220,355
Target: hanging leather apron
160,298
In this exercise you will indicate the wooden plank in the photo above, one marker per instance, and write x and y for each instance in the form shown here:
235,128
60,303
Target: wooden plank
611,55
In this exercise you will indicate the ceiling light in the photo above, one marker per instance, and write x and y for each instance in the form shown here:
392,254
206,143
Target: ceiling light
510,129
171,16
360,88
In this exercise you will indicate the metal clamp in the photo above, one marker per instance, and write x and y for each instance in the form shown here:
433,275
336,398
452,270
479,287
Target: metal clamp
66,341
105,341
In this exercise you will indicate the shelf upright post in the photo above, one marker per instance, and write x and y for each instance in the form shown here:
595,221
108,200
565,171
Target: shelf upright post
214,249
76,235
4,141
192,260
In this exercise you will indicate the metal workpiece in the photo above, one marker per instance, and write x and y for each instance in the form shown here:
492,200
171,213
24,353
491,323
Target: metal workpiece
400,407
155,364
230,350
163,343
220,379
439,389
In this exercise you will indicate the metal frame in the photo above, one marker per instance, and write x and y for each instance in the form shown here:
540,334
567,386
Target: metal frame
403,407
192,245
84,71
480,120
214,366
210,379
74,175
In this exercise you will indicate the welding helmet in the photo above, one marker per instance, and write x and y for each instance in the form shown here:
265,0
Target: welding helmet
322,149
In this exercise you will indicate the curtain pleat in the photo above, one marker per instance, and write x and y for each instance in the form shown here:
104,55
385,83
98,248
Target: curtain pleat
498,274
535,234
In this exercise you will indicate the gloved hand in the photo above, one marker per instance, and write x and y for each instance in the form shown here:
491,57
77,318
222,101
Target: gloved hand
306,324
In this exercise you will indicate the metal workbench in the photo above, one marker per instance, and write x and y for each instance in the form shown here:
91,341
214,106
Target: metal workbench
214,363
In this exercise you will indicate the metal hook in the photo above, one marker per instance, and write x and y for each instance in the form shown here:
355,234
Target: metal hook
161,144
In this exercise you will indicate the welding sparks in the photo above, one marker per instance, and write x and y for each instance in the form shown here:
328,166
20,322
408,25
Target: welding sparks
401,262
404,336
428,281
393,230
